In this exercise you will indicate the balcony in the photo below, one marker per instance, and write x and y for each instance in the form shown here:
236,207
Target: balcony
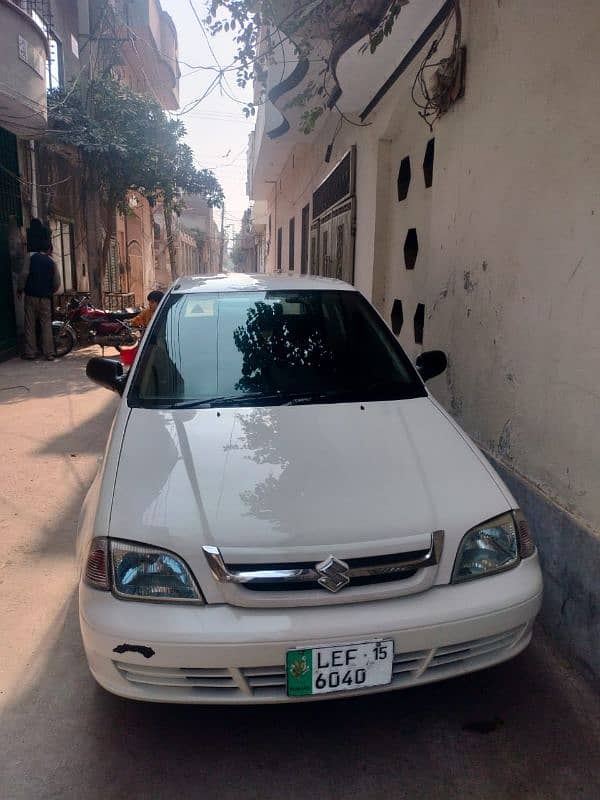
23,58
153,49
357,78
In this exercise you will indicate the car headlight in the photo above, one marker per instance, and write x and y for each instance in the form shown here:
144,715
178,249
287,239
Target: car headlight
493,547
140,572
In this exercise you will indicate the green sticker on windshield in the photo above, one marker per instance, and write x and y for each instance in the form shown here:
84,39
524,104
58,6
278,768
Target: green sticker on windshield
299,673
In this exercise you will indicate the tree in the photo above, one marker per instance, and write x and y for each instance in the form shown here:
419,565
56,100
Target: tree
302,22
174,173
271,348
126,142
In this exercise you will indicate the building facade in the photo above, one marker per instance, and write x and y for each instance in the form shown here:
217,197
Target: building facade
60,174
188,260
197,219
148,65
245,252
25,55
477,236
48,44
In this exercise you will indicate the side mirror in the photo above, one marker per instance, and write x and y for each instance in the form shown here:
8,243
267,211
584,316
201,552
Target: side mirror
431,363
107,373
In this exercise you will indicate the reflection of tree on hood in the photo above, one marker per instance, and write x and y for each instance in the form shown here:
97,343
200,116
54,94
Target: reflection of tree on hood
261,437
271,347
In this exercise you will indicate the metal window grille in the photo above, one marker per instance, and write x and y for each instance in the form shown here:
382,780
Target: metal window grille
55,69
10,190
112,276
39,10
334,188
64,252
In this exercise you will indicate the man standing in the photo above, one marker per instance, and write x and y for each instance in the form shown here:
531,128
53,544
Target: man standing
40,281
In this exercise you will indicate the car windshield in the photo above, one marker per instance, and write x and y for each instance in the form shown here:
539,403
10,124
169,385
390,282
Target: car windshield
270,348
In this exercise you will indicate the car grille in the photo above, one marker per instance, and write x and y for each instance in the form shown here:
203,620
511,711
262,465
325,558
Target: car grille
269,682
332,574
378,562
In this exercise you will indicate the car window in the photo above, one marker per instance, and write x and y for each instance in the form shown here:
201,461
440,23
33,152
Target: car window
262,348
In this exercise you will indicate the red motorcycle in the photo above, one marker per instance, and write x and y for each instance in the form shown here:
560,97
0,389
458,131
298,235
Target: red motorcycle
84,324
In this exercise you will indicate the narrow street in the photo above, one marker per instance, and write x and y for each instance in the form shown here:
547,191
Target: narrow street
527,729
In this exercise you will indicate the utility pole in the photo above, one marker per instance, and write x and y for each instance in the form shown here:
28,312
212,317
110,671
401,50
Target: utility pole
222,238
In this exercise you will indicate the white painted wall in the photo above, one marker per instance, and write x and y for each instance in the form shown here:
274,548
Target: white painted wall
509,236
509,241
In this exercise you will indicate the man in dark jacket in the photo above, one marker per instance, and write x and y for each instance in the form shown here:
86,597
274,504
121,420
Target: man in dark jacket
40,281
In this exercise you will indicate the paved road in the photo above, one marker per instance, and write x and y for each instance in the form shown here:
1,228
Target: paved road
527,729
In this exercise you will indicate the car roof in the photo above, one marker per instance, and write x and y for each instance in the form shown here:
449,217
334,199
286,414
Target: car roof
259,282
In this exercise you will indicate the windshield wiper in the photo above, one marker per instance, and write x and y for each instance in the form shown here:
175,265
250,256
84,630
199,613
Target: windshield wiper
306,398
349,395
388,390
230,400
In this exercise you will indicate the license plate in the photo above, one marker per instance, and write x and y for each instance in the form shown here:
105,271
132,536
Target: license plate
339,668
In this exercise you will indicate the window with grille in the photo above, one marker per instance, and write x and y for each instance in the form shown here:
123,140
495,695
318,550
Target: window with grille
335,187
54,64
112,276
40,12
10,191
64,255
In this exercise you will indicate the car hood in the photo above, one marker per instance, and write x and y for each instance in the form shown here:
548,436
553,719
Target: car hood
293,482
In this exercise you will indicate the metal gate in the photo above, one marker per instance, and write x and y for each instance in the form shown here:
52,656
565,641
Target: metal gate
10,206
333,227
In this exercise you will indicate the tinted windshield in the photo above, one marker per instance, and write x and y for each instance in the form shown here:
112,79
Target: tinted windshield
270,348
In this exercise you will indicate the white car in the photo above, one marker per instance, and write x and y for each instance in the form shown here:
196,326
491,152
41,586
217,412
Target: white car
284,513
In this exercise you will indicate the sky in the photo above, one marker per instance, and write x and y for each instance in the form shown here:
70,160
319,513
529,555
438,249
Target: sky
217,129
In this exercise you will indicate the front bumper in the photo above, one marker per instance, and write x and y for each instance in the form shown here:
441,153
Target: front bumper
227,654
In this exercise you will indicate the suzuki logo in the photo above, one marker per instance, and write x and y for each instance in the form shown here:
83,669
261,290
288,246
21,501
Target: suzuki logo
333,574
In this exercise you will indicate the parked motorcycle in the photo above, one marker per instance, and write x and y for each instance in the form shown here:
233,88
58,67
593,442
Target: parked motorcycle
84,324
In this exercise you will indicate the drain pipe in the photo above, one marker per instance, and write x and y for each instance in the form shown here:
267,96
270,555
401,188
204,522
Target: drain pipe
34,186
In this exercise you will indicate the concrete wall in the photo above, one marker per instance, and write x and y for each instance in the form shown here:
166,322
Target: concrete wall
506,269
508,241
23,50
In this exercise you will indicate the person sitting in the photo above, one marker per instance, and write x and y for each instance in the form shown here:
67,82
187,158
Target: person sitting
143,319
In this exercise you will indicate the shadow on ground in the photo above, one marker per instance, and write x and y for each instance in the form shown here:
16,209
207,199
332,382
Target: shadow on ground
526,729
26,380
